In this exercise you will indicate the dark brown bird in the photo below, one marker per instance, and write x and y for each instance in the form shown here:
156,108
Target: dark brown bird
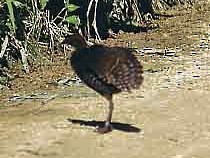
107,70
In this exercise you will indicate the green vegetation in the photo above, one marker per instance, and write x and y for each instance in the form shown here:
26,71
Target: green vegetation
29,27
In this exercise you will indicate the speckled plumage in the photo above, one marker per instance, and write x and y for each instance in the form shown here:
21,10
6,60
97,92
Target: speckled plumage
107,70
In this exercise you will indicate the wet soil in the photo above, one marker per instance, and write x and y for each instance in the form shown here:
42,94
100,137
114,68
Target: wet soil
50,116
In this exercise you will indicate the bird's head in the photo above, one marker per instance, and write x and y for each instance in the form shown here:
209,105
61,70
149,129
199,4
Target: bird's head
75,40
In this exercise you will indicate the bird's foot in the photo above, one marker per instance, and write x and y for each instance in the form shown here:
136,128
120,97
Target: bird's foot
104,130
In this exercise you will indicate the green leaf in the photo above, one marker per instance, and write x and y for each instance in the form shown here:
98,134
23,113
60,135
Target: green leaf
11,14
72,7
18,4
72,19
43,3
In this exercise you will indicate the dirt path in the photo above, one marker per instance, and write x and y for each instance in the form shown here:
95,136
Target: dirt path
172,123
167,118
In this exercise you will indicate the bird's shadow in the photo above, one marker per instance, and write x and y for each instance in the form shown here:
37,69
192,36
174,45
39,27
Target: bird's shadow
115,125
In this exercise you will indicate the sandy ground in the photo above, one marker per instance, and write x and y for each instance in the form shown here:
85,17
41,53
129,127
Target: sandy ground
165,123
167,118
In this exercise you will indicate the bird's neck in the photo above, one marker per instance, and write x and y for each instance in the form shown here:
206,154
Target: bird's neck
81,45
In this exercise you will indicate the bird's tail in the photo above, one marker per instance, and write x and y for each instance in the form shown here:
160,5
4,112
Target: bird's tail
127,74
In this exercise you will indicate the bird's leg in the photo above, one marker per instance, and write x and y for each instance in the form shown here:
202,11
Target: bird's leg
107,127
109,116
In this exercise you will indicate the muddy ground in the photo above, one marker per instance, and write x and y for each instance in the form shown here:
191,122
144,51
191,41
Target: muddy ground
167,118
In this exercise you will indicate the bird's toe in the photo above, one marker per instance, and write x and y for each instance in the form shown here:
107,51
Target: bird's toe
104,130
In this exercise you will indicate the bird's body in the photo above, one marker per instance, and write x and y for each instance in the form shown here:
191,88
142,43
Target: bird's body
107,70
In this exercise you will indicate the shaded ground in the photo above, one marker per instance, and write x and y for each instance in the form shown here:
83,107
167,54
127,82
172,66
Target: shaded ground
167,118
